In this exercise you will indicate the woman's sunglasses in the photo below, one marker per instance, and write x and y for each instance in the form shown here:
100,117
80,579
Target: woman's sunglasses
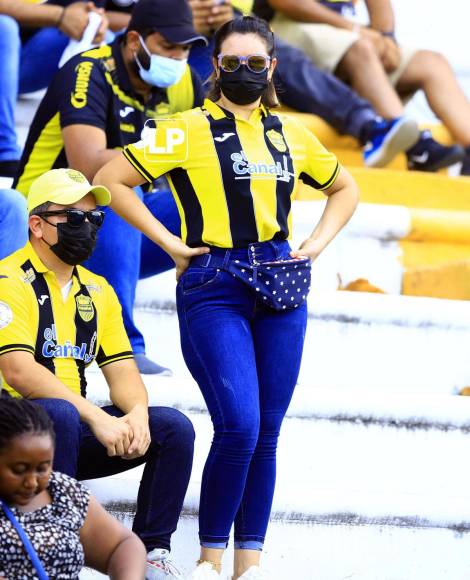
257,63
76,217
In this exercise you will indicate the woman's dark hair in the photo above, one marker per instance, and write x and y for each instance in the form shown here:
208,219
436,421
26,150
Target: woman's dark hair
22,417
245,25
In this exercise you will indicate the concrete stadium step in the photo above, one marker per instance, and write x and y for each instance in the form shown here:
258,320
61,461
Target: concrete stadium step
355,341
348,470
325,551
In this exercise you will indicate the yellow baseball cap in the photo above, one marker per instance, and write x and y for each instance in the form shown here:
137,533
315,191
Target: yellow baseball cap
64,187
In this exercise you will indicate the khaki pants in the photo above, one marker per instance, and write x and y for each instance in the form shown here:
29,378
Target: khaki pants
326,45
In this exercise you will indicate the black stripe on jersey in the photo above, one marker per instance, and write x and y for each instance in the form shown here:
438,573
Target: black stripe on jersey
106,360
191,206
60,160
46,317
12,347
308,179
86,333
140,168
283,188
237,191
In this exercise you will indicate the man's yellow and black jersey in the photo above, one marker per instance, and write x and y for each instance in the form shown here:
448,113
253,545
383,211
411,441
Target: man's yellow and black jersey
93,88
233,180
65,336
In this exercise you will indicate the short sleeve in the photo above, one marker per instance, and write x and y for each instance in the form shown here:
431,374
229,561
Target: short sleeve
114,345
320,167
16,329
85,94
70,497
163,147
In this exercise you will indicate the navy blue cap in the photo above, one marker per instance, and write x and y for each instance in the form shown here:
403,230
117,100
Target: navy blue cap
173,19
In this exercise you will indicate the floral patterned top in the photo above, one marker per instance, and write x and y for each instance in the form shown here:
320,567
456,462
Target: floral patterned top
54,531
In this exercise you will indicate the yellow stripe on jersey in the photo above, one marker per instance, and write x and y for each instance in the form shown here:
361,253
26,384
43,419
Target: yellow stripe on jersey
45,152
239,177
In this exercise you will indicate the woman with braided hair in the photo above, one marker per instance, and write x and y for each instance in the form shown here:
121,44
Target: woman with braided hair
50,525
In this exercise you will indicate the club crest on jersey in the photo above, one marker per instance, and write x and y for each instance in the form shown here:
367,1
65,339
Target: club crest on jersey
29,276
85,307
277,140
245,169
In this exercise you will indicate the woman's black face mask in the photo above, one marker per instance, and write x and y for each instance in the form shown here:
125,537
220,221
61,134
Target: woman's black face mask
243,86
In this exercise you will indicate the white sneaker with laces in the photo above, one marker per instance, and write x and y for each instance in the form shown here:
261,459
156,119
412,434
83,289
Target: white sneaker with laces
160,566
254,573
204,571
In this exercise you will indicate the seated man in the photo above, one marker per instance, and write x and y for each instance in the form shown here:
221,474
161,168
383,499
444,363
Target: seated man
32,39
306,88
56,318
377,67
303,86
98,103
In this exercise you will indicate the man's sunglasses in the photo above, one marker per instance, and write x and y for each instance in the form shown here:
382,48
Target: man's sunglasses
257,63
76,217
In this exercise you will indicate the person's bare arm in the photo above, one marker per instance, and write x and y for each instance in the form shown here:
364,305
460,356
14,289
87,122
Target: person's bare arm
33,381
381,15
128,393
119,176
90,158
208,15
71,20
343,197
117,20
310,11
111,548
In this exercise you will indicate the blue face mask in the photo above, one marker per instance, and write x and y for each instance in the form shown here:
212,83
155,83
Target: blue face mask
163,71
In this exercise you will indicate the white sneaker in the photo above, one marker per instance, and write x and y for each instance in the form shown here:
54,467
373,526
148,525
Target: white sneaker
160,567
204,571
254,573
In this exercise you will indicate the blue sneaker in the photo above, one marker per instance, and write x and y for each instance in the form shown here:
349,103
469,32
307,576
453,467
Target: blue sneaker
429,155
389,138
148,367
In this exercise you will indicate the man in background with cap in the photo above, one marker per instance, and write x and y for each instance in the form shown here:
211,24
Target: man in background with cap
56,318
98,103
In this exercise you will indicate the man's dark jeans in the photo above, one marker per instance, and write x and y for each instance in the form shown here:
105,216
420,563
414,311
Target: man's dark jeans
168,464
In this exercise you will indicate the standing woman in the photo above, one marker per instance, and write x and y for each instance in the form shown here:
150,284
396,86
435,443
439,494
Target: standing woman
242,289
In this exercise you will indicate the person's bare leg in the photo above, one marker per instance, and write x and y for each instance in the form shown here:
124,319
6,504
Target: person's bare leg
214,556
362,68
431,72
243,559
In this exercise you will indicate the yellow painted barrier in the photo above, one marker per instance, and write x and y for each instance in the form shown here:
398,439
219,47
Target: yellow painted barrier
450,281
412,189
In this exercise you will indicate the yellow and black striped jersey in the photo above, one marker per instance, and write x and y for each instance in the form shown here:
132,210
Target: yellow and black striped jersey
67,335
233,180
94,89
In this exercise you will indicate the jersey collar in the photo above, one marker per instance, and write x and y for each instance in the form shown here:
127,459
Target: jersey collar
37,263
35,260
217,112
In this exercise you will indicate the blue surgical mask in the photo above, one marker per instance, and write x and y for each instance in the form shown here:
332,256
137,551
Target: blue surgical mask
163,71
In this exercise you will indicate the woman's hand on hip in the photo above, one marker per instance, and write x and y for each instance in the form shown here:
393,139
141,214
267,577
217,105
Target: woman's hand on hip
310,248
181,254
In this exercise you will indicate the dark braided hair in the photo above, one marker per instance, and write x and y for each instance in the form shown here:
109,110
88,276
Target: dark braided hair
20,417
